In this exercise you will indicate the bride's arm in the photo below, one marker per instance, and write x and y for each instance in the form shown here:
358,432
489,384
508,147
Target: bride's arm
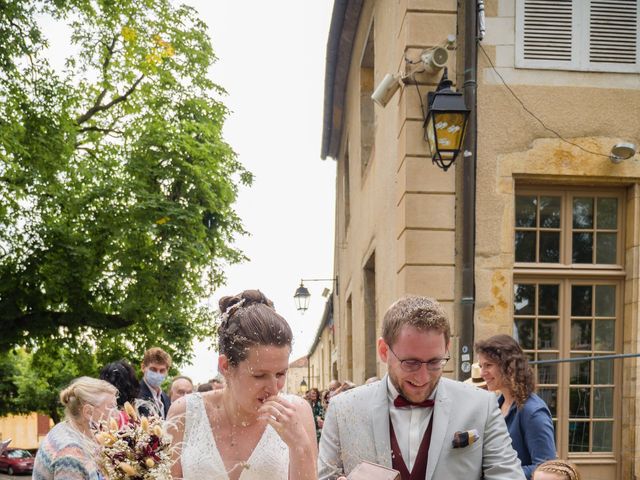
175,420
293,421
303,459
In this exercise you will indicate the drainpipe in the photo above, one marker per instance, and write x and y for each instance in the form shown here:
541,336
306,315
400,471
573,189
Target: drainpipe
467,300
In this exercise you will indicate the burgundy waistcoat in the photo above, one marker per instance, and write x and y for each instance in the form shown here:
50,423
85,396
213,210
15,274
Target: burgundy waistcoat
419,470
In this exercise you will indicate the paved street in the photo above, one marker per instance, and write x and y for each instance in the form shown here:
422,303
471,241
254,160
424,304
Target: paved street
4,476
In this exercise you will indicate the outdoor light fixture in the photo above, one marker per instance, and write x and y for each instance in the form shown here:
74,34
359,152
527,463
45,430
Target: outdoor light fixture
302,295
303,386
445,123
301,298
622,151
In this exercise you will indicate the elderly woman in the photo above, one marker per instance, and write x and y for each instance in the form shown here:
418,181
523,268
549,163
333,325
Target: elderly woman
67,452
505,368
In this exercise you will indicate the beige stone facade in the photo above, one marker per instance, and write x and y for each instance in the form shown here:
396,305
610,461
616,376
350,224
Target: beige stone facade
323,362
398,216
297,373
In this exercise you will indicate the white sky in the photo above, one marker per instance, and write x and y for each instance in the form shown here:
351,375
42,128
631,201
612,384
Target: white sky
271,62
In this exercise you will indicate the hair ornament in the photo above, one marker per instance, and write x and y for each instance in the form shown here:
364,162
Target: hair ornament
231,310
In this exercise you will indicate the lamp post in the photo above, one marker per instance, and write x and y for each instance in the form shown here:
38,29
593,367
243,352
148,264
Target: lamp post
445,123
302,295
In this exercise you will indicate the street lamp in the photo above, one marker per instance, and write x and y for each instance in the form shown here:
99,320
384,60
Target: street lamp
445,123
303,386
302,295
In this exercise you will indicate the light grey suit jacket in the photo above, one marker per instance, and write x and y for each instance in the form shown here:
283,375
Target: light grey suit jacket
356,428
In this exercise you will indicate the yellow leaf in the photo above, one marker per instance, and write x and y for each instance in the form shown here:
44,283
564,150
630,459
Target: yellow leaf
128,33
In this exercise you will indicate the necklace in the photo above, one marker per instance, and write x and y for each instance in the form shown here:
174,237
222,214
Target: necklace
243,423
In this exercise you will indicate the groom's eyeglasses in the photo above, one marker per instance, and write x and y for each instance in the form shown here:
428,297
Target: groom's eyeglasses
412,365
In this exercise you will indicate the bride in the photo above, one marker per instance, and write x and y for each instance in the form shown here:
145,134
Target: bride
248,430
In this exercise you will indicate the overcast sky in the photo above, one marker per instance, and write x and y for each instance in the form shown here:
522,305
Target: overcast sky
271,62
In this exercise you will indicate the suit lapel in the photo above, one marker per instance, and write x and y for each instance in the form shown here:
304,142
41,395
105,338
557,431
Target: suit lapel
380,423
441,413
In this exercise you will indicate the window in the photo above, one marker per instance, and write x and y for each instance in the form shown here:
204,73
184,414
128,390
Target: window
586,35
348,361
370,331
571,319
367,123
568,228
567,303
346,189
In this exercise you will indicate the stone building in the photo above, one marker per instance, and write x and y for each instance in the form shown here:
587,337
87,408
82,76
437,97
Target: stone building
556,237
297,373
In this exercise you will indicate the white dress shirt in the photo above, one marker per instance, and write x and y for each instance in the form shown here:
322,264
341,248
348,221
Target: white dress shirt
157,399
409,425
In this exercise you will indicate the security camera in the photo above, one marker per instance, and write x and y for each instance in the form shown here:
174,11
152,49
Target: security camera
386,89
435,60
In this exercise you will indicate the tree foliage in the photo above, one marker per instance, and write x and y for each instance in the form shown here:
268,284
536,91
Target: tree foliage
116,186
44,373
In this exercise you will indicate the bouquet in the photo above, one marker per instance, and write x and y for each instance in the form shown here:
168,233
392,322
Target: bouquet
140,449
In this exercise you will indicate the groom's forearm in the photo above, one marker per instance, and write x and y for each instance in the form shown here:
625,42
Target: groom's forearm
329,459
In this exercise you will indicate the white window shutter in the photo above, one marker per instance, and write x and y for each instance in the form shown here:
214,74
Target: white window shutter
613,34
586,35
545,33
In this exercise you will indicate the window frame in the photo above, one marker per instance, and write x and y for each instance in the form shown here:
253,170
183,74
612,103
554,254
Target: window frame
563,385
566,275
566,229
580,43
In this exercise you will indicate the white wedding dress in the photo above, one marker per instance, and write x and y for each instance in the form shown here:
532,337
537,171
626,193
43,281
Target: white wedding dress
201,459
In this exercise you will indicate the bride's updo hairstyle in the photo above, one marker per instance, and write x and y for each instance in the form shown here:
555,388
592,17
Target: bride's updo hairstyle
248,319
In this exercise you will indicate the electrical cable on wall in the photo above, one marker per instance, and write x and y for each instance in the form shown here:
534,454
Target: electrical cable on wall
533,114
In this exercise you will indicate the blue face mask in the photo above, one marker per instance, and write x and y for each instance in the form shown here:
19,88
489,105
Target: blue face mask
154,379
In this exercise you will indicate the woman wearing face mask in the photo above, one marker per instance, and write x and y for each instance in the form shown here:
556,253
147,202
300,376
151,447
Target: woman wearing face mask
67,452
247,430
155,366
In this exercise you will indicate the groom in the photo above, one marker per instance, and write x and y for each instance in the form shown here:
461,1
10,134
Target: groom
413,420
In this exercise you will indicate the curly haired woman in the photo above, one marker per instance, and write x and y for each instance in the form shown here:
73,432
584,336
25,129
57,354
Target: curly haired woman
556,470
505,368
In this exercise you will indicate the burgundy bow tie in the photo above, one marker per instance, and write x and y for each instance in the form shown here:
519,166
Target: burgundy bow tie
400,402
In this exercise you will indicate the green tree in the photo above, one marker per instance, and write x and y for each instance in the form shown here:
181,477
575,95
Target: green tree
42,374
116,185
9,394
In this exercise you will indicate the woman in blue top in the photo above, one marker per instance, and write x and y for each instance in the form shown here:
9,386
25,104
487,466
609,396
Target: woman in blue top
505,368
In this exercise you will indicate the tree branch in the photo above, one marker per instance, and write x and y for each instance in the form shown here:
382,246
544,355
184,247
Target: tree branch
100,129
101,108
38,323
105,67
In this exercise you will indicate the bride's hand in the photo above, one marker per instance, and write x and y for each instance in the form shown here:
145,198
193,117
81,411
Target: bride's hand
293,422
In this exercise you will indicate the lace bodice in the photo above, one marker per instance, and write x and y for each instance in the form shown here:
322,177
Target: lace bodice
201,459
